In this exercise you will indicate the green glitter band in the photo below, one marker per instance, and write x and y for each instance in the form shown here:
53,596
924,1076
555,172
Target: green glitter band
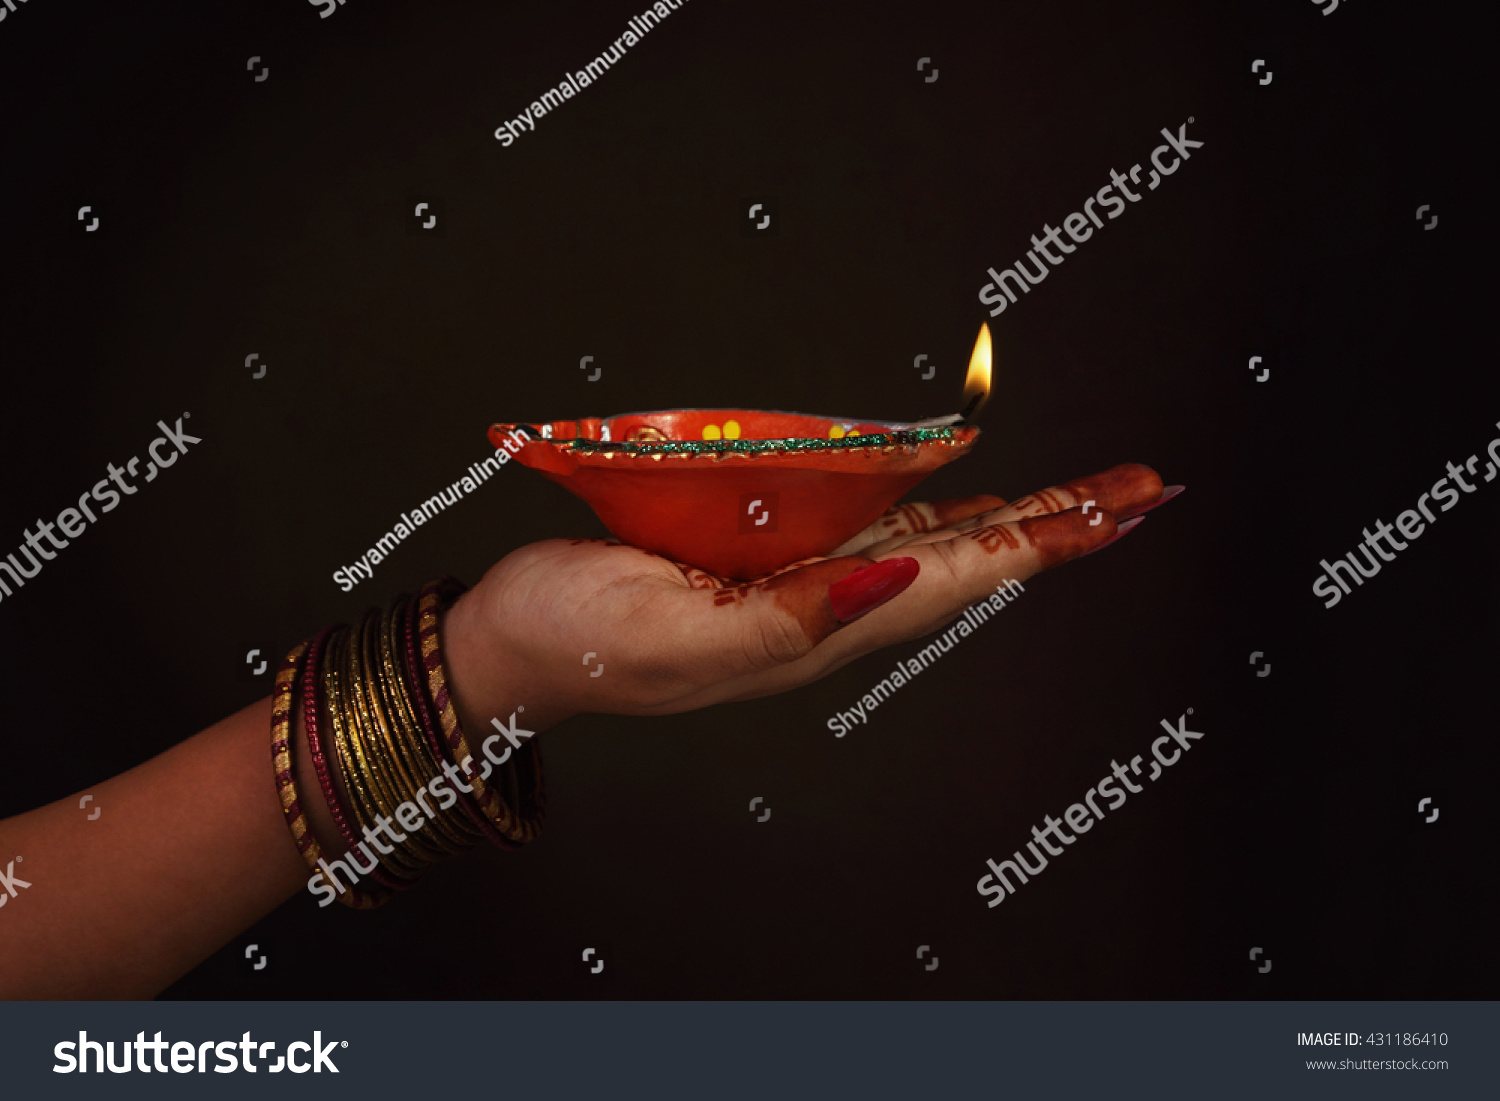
782,446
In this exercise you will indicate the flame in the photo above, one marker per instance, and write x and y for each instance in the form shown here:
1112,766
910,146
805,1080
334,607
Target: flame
977,381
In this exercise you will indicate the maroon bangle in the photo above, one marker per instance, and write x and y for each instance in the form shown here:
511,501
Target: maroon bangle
517,825
315,739
417,688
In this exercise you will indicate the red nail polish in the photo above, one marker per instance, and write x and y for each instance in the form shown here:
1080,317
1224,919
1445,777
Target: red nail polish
1166,495
1120,533
871,586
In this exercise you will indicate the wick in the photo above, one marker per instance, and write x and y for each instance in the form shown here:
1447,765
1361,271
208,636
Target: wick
948,421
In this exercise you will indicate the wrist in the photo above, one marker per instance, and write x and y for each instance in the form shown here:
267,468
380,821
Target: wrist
374,711
488,676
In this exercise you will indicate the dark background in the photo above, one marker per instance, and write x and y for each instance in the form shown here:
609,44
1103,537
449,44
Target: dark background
273,218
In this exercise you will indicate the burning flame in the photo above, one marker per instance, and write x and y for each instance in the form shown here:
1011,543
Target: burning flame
977,381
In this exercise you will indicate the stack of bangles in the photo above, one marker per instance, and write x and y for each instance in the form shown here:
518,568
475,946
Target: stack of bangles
375,698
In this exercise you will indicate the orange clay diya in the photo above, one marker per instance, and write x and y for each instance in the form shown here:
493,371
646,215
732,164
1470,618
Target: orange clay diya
736,492
743,492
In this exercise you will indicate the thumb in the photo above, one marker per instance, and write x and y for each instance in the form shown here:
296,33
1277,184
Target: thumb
794,611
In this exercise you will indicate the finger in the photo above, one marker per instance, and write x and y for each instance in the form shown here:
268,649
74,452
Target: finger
965,568
954,573
968,566
747,628
1123,491
1116,490
917,518
1167,493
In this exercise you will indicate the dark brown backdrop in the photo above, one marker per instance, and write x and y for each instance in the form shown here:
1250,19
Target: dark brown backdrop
271,217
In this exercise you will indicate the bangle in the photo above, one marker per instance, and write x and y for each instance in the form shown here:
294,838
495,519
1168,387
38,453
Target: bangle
431,725
375,697
521,826
341,816
286,784
315,740
375,801
394,873
393,788
451,832
393,756
281,753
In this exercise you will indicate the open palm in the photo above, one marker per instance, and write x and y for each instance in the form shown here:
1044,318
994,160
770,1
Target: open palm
671,638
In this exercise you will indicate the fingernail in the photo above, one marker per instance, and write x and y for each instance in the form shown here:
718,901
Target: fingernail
1120,533
1166,495
870,587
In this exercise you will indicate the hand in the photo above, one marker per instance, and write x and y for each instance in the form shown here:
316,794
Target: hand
674,638
181,876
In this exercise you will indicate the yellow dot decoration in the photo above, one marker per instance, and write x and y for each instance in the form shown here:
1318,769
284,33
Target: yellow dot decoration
836,432
711,432
731,430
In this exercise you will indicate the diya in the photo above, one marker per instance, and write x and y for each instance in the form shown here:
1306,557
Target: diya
743,492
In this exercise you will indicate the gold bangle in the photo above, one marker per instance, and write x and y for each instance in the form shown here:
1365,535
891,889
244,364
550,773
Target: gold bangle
351,763
408,856
452,830
282,732
384,742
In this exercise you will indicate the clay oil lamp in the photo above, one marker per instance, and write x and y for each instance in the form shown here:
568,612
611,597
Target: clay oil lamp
743,492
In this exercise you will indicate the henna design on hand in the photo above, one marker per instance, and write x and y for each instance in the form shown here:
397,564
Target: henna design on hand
995,538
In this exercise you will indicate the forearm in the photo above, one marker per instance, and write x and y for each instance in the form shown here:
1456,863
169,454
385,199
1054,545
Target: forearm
189,849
